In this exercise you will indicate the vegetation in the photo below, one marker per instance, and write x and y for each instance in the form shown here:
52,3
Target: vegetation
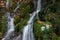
49,14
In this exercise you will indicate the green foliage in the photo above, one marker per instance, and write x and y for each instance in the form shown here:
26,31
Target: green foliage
2,25
37,30
49,13
54,37
21,20
14,5
17,20
24,9
20,25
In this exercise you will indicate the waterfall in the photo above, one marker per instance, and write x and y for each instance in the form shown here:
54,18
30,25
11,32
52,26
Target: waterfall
28,29
10,24
10,27
28,32
7,4
38,8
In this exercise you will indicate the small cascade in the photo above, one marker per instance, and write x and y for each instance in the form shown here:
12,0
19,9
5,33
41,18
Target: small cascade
38,8
10,27
28,29
10,24
7,4
28,32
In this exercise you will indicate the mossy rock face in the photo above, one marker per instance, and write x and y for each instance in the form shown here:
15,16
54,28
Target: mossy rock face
22,19
17,20
54,37
0,35
37,30
14,5
19,24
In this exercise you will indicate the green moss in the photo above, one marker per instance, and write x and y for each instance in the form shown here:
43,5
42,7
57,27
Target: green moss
20,24
54,37
17,20
37,30
18,27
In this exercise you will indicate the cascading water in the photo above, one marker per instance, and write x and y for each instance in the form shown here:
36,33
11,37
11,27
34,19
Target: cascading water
7,4
38,8
10,24
28,32
28,29
10,27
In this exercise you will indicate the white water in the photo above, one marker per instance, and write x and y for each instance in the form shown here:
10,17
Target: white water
28,29
10,27
10,24
38,8
35,12
7,4
28,32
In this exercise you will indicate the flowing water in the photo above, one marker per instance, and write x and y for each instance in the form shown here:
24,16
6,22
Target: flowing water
7,4
38,8
28,32
10,24
10,27
28,29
